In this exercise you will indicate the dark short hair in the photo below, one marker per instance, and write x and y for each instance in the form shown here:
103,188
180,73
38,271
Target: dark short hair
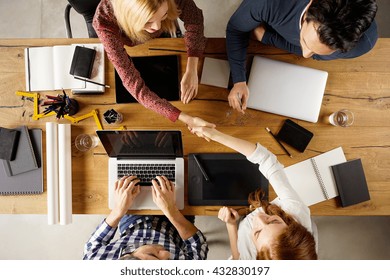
341,23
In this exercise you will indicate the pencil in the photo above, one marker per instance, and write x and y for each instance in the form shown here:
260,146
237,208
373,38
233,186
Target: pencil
277,140
92,82
201,168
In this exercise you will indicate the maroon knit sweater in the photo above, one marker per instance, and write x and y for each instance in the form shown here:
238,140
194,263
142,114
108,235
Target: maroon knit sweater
113,40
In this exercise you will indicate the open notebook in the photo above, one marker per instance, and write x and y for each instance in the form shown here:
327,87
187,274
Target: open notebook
313,178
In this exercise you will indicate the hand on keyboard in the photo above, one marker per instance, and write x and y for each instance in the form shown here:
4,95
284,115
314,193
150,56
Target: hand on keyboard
126,190
163,192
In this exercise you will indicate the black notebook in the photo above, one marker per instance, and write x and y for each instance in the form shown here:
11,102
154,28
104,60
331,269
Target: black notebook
25,158
231,178
351,182
160,74
82,62
8,143
28,182
295,135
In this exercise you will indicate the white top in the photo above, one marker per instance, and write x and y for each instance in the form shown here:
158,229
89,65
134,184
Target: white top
287,199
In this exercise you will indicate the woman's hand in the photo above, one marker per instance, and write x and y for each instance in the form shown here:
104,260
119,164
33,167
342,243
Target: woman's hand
228,215
189,82
189,86
192,122
205,132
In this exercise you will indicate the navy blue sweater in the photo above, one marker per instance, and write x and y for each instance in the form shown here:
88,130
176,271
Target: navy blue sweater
282,18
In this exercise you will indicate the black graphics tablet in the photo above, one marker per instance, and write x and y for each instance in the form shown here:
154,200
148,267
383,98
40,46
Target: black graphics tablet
231,177
160,74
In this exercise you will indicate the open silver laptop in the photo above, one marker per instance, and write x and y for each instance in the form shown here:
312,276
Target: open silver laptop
146,154
286,89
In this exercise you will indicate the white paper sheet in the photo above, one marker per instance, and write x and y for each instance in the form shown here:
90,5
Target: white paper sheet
52,173
65,173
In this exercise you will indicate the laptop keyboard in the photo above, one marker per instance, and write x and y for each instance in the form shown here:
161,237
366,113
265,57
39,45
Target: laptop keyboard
147,172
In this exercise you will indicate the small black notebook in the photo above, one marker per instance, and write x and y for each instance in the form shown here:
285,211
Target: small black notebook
25,158
231,179
351,182
160,74
295,135
26,183
82,62
8,143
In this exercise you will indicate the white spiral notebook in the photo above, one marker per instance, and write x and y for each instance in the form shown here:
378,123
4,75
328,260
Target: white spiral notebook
313,178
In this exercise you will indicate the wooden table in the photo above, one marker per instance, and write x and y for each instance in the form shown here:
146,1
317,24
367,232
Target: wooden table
361,85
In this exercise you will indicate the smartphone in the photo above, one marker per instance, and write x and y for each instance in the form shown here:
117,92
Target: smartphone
294,135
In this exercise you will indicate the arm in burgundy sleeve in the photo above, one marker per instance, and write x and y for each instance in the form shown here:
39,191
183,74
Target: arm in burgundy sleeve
110,35
192,18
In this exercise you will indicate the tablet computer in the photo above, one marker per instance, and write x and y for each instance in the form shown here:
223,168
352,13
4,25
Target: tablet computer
160,73
227,179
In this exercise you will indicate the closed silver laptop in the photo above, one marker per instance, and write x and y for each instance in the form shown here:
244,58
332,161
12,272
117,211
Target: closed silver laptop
286,89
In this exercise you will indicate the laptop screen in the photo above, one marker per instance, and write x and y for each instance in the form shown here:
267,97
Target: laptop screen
141,143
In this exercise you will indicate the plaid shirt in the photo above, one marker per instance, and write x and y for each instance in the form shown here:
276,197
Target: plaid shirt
143,231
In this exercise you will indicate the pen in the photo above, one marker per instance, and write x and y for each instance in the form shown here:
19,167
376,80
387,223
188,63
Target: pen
277,140
239,100
92,82
201,169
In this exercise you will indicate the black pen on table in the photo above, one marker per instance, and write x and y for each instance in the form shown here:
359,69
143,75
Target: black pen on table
92,82
277,140
201,168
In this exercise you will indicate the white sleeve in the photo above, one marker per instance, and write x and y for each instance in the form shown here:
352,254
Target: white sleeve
287,197
273,170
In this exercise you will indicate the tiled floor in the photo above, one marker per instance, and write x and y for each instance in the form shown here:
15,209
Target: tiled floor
29,236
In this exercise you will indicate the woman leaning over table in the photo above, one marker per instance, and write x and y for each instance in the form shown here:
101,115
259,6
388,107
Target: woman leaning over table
133,22
280,229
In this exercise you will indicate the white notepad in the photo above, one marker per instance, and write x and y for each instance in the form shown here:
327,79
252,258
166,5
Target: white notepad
215,72
313,178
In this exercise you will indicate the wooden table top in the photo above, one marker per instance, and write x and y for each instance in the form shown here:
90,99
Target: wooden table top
361,85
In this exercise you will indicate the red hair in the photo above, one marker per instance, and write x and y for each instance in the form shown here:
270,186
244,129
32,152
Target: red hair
295,243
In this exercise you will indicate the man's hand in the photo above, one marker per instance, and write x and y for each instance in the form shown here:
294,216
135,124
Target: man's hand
238,97
125,192
164,197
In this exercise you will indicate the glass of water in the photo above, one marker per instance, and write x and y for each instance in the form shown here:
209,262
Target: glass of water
342,118
86,142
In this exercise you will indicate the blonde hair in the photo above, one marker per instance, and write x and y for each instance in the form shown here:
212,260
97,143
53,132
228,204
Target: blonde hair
132,15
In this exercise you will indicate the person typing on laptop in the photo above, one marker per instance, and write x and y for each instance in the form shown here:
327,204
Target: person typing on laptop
280,229
321,29
169,236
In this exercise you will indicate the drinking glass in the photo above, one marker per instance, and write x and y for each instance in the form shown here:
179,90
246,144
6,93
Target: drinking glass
86,142
341,118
